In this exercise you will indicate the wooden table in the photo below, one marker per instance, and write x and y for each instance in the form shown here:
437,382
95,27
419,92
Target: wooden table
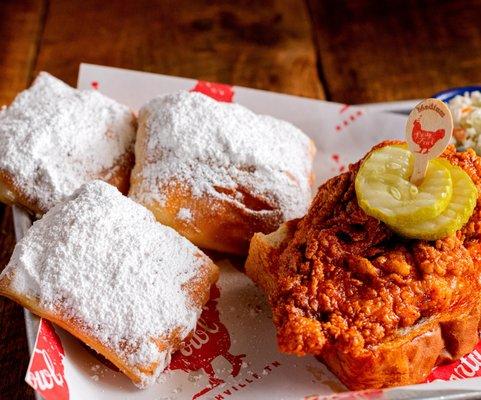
351,51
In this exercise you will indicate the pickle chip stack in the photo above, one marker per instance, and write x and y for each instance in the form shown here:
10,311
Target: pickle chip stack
436,208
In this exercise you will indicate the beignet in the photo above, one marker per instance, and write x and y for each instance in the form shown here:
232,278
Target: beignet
54,138
217,172
101,267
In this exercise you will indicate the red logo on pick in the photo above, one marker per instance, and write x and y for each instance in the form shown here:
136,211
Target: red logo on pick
46,371
218,91
425,139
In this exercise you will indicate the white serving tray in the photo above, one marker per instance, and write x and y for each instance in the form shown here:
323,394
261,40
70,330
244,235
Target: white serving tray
337,129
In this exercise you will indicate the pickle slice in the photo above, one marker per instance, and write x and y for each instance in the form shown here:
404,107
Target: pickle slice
456,214
384,191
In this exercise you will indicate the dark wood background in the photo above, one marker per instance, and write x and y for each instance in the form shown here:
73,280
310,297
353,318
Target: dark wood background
346,51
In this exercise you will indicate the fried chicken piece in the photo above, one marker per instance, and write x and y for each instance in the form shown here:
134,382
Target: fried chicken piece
380,310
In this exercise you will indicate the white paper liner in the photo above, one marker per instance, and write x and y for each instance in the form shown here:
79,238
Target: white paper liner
342,135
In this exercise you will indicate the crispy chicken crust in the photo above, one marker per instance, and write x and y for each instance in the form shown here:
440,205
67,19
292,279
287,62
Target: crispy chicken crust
346,281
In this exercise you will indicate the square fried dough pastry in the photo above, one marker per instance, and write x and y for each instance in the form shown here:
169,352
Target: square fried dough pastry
217,172
54,138
378,309
100,266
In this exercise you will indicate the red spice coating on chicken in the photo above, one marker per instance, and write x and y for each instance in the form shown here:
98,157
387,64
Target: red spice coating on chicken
346,280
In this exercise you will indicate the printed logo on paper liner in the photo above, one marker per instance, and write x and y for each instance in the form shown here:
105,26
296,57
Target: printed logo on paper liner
46,371
335,157
210,340
468,366
218,91
347,117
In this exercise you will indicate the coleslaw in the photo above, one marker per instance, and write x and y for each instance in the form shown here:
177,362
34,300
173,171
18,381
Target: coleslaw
466,111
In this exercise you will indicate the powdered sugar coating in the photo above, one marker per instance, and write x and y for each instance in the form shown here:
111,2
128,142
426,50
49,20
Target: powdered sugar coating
54,138
206,145
184,214
104,261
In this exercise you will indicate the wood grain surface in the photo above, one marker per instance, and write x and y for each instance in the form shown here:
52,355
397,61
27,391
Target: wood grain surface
390,50
13,346
263,44
20,28
347,51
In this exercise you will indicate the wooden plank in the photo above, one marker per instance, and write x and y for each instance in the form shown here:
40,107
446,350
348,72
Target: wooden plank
266,45
14,355
380,51
20,29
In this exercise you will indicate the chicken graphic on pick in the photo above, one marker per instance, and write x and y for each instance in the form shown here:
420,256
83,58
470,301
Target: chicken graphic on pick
428,131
